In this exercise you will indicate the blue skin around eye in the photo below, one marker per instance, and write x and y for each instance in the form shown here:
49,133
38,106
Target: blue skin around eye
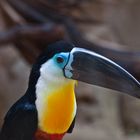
65,56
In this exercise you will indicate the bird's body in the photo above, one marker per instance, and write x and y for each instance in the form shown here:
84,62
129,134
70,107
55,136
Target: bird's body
47,110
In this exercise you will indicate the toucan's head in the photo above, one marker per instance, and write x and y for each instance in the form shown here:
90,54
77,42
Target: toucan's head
64,62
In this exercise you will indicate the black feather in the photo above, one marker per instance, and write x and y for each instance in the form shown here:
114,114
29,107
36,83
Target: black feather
20,122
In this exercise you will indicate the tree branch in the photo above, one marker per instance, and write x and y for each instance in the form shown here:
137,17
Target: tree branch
42,32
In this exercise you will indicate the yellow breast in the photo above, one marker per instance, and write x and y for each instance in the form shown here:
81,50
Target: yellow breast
58,110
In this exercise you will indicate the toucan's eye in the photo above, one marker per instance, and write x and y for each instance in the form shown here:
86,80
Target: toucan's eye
60,59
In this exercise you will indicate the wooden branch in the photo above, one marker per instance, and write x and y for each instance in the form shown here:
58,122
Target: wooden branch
28,38
44,32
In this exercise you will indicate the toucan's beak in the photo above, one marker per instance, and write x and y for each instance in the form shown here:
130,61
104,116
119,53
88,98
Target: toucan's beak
92,68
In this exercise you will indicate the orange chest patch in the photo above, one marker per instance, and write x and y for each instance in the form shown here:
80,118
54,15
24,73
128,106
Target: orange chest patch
58,111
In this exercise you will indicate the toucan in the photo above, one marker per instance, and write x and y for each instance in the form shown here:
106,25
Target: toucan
48,108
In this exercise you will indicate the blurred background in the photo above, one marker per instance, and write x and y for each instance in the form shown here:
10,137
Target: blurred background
110,27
